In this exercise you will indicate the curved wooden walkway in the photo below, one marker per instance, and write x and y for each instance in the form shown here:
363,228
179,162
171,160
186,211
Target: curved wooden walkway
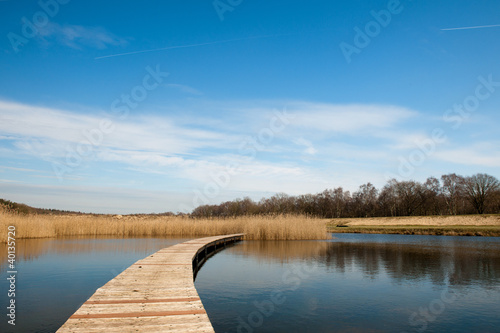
156,294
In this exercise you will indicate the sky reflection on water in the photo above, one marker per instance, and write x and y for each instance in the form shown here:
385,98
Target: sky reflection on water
365,283
352,283
56,276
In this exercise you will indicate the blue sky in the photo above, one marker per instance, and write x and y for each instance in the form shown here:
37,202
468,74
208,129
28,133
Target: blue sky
152,106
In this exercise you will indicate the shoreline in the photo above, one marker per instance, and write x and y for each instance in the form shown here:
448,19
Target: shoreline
461,225
435,230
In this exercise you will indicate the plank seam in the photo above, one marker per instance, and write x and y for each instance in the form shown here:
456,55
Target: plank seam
162,264
137,314
133,301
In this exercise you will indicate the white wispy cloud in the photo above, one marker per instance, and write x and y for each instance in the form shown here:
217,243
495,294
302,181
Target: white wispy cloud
184,89
18,169
160,141
480,154
404,140
309,147
353,119
102,199
320,146
9,181
50,130
77,36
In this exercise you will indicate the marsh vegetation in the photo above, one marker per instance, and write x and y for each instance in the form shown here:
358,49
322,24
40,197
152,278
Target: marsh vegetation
280,227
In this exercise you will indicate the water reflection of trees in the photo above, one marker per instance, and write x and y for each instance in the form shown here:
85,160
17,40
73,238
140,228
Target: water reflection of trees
281,251
454,263
459,263
31,249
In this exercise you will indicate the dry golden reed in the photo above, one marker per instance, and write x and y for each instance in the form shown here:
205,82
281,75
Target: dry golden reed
259,227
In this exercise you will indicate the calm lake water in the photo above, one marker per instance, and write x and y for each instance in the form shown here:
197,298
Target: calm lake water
56,276
353,283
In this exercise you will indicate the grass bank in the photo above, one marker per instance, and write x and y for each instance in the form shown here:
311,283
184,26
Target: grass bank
491,231
262,227
467,225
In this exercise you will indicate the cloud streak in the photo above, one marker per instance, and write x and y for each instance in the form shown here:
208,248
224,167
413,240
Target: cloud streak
187,46
475,27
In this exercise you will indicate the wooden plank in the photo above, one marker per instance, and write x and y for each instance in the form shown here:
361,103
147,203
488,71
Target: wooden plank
163,300
138,314
155,294
183,323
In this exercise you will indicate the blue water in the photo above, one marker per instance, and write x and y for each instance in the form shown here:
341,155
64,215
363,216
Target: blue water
355,283
56,276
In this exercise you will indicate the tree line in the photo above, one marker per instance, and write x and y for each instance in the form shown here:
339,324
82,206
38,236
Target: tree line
19,208
450,195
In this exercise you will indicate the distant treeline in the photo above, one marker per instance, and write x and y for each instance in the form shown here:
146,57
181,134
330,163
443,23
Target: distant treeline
450,195
20,208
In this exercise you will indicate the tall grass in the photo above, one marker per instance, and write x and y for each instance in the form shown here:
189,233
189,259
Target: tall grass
264,228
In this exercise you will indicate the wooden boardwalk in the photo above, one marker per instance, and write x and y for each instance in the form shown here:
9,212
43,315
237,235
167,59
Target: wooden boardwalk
156,294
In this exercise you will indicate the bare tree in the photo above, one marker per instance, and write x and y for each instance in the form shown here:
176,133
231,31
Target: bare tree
452,191
430,195
365,200
388,199
496,201
341,200
306,204
479,189
409,196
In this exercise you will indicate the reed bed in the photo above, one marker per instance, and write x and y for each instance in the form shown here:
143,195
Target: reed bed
255,228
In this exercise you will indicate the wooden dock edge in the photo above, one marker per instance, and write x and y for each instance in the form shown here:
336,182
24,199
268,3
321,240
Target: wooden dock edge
155,294
209,249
